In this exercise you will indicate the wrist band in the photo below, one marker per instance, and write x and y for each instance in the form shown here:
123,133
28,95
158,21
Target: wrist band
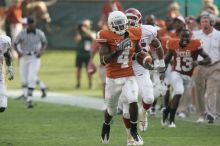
144,60
159,46
161,63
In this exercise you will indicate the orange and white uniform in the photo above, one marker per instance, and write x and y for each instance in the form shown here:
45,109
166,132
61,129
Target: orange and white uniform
182,66
119,72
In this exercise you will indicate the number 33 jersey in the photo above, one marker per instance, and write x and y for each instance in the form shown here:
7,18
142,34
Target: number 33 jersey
120,66
183,57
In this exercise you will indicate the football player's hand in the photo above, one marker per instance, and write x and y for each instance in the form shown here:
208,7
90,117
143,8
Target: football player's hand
162,67
148,66
123,45
10,73
91,68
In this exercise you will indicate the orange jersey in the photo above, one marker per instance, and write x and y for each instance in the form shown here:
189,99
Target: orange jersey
174,35
121,66
183,57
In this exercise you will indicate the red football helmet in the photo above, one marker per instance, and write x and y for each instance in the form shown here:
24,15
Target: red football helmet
134,17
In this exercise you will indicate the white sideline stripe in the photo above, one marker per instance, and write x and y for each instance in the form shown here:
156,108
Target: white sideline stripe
59,98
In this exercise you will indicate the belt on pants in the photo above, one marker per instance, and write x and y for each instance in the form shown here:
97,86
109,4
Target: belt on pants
30,53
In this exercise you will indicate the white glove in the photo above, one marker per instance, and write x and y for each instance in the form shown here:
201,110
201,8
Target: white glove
162,67
10,72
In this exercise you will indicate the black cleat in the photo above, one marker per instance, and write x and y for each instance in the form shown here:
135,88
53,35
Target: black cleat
137,138
29,104
44,92
164,120
105,133
210,118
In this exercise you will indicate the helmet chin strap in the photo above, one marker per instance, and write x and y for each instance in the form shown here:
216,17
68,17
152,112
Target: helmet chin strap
125,35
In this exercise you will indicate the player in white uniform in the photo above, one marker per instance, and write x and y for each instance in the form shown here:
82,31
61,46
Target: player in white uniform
5,52
33,43
142,75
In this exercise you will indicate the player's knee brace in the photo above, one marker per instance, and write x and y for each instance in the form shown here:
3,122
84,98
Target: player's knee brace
2,109
133,99
148,100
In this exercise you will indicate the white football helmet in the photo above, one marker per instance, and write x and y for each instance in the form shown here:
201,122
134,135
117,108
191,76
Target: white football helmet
118,22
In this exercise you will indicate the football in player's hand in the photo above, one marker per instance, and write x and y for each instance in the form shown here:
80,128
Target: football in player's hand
143,57
91,68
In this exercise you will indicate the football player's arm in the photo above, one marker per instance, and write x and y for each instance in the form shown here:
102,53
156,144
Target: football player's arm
157,45
8,58
105,54
168,57
90,34
160,53
77,37
206,59
8,61
138,48
44,44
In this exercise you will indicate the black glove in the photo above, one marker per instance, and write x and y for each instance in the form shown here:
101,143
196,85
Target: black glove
123,45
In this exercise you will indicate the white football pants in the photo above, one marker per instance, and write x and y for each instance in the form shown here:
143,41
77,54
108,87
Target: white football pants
29,67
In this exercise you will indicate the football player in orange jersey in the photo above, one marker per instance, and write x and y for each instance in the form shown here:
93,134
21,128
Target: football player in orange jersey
119,43
184,52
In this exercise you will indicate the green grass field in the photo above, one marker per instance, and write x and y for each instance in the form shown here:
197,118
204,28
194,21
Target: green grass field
60,125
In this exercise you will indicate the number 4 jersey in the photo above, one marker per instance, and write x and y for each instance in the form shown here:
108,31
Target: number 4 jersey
183,57
121,66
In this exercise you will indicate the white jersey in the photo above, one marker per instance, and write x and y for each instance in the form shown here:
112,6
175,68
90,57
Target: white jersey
5,44
30,42
148,34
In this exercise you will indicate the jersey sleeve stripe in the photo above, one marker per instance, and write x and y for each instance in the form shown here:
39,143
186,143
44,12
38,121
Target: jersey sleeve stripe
101,40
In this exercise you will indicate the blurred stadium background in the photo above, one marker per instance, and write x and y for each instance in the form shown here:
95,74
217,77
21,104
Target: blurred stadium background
69,13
